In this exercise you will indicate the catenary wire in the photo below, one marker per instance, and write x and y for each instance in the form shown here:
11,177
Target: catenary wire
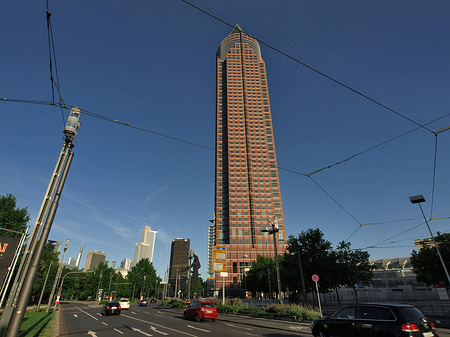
51,51
313,69
112,120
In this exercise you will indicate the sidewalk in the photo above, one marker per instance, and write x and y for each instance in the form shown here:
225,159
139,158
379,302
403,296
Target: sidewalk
277,324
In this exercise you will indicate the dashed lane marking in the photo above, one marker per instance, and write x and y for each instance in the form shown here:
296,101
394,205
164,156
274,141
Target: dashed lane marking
194,327
118,331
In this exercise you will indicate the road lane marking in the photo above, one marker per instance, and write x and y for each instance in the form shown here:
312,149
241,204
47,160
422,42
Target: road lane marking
140,331
99,314
75,315
104,323
118,331
159,325
298,328
238,326
194,327
134,313
92,333
155,330
84,312
245,333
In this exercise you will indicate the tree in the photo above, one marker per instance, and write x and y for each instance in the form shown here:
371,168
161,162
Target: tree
256,280
12,217
143,276
49,256
426,263
352,267
316,259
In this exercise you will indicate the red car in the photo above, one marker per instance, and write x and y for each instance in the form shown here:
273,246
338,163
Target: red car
199,310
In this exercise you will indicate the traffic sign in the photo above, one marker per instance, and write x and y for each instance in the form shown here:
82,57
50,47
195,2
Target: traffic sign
315,278
219,253
219,266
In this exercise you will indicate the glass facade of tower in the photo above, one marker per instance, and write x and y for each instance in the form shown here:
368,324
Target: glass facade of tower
247,188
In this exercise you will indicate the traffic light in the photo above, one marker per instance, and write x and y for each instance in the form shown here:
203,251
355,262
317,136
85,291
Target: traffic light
95,271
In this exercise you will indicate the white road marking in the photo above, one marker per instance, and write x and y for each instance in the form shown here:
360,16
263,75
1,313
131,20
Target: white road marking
245,333
140,331
118,331
238,326
298,328
84,312
159,325
194,327
160,332
75,315
134,313
99,314
92,333
104,323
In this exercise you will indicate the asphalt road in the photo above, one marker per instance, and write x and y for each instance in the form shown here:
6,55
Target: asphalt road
79,319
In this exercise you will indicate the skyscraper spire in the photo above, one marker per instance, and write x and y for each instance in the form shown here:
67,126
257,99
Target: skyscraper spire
77,264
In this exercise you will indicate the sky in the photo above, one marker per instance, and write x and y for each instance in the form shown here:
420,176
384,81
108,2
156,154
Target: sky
152,64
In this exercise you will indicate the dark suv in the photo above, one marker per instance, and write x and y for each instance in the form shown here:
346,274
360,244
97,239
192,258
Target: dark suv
374,320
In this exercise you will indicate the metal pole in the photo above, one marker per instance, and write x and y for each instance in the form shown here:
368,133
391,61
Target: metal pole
268,272
31,245
17,317
276,264
43,287
109,287
301,274
98,287
57,277
318,299
223,290
435,244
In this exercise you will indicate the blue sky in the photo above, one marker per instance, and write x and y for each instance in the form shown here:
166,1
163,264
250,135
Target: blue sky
152,64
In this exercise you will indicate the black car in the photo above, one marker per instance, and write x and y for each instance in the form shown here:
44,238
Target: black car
143,303
111,308
374,320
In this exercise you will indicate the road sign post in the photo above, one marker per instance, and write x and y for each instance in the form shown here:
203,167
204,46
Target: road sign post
315,278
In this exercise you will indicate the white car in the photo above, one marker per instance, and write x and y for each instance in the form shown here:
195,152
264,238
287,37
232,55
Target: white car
124,303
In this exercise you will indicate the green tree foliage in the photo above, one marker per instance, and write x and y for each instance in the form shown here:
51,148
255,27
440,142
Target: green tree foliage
352,266
335,268
257,281
426,263
143,277
315,257
48,257
12,217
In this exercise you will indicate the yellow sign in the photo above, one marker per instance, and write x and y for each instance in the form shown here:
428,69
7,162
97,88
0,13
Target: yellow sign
219,253
219,266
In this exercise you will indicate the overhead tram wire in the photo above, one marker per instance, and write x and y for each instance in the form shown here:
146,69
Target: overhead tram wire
314,69
51,51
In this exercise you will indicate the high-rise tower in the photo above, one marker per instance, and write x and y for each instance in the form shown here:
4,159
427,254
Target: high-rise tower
145,248
247,188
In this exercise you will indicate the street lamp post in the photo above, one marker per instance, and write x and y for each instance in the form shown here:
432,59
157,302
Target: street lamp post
274,230
417,199
13,317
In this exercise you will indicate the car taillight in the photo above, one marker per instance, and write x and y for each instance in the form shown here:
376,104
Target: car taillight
118,307
410,327
107,308
432,325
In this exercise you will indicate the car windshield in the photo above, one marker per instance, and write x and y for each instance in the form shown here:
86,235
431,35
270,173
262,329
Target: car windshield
411,313
124,300
208,305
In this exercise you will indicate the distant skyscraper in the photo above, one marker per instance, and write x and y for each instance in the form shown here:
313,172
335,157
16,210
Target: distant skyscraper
72,262
126,264
179,261
93,259
247,192
145,248
79,255
57,246
211,243
111,264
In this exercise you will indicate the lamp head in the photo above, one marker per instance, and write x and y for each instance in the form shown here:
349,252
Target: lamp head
415,199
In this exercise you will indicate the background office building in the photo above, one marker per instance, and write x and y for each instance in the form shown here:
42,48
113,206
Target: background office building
179,262
126,264
93,259
145,248
247,191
